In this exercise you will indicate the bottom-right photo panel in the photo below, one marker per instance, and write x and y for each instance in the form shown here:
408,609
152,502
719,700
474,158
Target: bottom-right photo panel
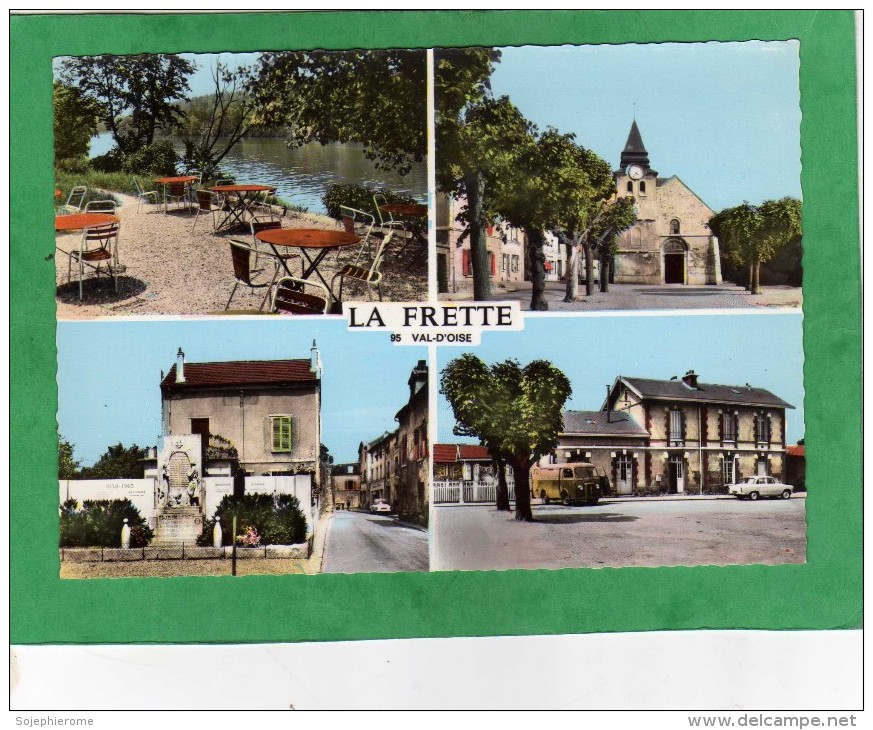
613,441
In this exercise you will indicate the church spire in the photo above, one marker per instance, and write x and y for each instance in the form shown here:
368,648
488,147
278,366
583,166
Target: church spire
634,150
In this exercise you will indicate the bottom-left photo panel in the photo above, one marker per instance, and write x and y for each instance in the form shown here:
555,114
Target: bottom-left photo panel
240,447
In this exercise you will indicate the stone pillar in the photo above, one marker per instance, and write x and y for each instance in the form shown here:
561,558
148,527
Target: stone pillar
125,536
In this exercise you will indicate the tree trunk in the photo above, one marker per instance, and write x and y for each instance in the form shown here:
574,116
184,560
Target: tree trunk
604,272
479,257
502,487
756,280
571,293
521,469
589,270
537,241
751,285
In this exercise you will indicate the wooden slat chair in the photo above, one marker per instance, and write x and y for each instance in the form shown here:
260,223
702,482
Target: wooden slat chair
291,297
98,247
208,202
371,276
241,253
265,223
178,192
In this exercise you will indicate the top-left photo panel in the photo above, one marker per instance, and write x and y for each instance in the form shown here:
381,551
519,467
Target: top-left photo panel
239,183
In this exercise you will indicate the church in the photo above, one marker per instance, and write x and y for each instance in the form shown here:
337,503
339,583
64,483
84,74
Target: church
670,242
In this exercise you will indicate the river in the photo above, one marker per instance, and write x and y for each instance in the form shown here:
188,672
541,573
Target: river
303,174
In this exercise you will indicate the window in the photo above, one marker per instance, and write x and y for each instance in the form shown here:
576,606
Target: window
566,473
282,440
727,472
515,262
504,262
676,434
642,187
728,428
630,186
761,431
674,227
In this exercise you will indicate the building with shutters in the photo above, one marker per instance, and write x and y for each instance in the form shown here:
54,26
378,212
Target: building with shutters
678,435
269,410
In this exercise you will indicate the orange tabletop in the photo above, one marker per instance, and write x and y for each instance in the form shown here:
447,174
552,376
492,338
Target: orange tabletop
413,210
306,237
176,179
78,221
241,188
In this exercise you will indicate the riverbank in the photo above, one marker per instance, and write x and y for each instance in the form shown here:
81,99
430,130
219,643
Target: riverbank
166,269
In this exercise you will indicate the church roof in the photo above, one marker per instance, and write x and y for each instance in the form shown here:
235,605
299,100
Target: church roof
634,149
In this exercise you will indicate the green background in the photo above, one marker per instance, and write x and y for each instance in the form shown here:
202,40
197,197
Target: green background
824,593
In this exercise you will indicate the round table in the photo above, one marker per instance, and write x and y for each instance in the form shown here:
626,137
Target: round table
79,221
174,180
244,195
320,240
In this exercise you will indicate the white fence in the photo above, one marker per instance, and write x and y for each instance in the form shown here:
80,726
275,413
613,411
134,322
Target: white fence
468,492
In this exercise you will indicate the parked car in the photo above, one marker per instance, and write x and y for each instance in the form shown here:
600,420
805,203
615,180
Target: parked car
754,487
380,505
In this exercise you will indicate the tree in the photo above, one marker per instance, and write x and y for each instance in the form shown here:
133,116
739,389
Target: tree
376,98
514,410
118,462
752,235
67,466
137,95
476,137
224,118
564,187
75,122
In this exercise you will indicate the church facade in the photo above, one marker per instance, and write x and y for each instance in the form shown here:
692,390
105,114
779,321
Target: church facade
670,242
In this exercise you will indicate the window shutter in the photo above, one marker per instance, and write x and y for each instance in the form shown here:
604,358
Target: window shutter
466,261
769,430
493,265
282,433
682,424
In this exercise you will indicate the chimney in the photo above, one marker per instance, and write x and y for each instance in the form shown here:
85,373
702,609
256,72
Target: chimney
180,366
315,360
690,379
418,378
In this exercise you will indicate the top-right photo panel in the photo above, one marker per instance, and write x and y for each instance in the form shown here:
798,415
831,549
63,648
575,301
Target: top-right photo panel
590,178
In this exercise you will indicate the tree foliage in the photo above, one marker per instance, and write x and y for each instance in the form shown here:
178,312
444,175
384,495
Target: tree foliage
376,98
75,122
751,235
564,187
277,520
515,411
98,523
118,462
221,119
137,95
67,466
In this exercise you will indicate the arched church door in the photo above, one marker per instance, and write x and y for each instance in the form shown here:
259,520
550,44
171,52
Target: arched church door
674,262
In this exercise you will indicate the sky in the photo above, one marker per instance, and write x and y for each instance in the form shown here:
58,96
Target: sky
109,375
724,117
765,350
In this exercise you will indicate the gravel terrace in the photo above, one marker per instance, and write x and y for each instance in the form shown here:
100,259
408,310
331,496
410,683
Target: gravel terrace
167,270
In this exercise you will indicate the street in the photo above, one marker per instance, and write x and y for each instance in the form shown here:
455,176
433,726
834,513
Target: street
619,534
646,296
358,542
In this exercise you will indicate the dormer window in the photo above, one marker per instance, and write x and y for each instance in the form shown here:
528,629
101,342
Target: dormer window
674,227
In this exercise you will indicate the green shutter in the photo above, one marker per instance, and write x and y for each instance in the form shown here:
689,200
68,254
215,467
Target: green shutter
282,433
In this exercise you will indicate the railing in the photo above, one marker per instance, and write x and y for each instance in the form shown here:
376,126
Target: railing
467,492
